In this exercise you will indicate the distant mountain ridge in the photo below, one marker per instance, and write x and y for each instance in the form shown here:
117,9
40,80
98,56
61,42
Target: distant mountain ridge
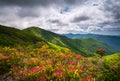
12,36
113,41
84,46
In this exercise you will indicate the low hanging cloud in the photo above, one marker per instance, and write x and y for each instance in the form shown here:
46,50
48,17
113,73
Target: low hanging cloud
63,16
93,29
57,22
80,18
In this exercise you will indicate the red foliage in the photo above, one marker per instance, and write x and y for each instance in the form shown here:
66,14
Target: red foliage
71,68
79,56
64,56
89,78
14,67
49,63
101,51
35,70
42,78
72,63
59,73
71,54
5,57
31,61
60,65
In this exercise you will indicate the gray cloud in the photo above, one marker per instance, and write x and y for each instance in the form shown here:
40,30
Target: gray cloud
57,22
80,18
113,7
28,12
25,2
75,2
70,1
63,16
39,2
54,21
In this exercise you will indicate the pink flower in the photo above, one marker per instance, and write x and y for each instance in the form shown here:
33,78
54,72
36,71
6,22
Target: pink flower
71,54
31,61
35,70
26,76
72,63
71,68
14,67
79,56
49,62
59,73
5,57
42,78
64,56
15,75
21,71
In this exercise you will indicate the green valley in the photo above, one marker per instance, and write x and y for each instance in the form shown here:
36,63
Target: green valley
83,46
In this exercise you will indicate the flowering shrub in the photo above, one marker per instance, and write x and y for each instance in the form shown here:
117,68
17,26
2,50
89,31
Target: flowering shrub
45,64
101,51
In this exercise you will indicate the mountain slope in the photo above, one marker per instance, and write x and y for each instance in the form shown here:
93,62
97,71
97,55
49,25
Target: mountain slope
12,36
84,46
30,36
113,41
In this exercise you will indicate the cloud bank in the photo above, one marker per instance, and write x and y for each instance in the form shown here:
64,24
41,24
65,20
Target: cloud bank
63,16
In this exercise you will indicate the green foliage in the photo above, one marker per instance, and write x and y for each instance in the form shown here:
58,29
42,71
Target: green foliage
83,46
35,37
111,69
12,37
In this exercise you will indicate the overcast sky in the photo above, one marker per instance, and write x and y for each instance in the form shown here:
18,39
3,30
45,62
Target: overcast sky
63,16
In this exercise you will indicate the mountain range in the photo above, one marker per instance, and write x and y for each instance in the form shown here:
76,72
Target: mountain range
113,41
10,36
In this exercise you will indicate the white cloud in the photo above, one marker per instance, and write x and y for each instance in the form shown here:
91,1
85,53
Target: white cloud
88,14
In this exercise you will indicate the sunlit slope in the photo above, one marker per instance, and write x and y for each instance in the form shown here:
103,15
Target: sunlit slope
83,46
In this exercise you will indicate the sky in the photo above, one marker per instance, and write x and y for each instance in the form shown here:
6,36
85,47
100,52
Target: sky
63,16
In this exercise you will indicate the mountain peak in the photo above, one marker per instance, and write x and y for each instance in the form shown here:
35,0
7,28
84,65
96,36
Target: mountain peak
33,27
